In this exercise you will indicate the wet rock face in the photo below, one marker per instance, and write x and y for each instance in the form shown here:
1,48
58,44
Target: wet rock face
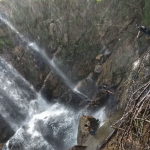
49,86
83,134
78,148
5,130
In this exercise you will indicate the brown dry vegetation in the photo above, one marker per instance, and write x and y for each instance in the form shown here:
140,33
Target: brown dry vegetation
132,131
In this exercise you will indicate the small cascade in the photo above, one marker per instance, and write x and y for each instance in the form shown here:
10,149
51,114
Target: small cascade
83,96
85,89
100,115
52,129
15,95
36,48
36,124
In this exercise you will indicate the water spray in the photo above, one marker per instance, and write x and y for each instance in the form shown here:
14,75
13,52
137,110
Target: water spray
36,48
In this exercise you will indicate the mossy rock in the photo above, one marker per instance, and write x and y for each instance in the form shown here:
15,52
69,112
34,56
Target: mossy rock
141,74
4,42
118,75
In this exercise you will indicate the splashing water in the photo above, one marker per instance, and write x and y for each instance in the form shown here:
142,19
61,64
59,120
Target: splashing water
51,63
43,125
80,93
10,25
100,115
15,94
45,130
136,64
35,47
46,127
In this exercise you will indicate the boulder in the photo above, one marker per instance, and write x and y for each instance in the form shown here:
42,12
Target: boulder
83,134
98,68
98,57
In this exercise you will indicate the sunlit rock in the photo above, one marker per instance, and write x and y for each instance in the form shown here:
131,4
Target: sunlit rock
98,68
51,29
136,64
98,57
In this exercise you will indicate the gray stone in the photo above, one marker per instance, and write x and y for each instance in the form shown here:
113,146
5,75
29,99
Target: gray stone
83,134
51,29
107,52
98,68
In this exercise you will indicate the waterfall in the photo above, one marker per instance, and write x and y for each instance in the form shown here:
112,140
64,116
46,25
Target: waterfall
52,129
42,52
51,62
37,125
15,95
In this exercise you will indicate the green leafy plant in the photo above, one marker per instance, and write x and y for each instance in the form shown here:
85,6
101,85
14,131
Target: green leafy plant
98,0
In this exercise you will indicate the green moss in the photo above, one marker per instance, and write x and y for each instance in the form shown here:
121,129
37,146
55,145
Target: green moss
117,75
141,74
4,41
147,12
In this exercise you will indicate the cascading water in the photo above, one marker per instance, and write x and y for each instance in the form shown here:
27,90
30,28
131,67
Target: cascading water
52,129
51,63
37,124
36,48
15,95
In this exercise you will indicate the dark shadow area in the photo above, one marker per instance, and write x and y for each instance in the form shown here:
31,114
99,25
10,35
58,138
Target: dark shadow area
6,132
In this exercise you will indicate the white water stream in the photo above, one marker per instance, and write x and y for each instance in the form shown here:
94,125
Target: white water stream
37,125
